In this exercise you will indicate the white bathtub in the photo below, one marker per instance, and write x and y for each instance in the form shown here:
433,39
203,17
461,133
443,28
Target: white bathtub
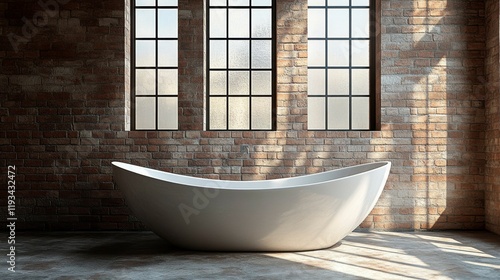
292,214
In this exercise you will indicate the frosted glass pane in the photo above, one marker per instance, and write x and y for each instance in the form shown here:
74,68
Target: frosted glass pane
360,53
167,2
218,115
145,23
145,82
167,53
316,81
145,53
361,2
145,113
167,23
218,3
261,2
261,83
239,115
261,112
239,23
239,82
338,23
338,81
338,113
316,52
145,2
218,54
261,54
338,2
360,23
217,23
167,81
360,81
261,23
316,113
239,54
361,113
239,2
316,2
167,113
218,83
338,53
316,24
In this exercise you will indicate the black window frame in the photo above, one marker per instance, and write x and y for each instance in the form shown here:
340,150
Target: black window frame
374,68
227,69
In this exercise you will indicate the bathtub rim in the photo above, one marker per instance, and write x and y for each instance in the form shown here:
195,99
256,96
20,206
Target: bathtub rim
270,184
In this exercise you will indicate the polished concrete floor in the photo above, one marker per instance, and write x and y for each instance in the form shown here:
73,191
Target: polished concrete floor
361,255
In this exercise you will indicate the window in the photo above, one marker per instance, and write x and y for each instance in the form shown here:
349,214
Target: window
154,65
240,78
342,72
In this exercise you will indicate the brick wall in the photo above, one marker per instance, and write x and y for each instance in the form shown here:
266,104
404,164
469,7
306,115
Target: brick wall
492,198
63,115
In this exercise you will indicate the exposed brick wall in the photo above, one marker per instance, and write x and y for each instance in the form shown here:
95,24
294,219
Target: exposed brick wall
63,115
492,198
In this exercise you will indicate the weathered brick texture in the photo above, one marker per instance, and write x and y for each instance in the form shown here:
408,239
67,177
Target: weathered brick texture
64,105
492,198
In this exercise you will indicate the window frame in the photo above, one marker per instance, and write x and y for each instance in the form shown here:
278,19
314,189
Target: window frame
133,101
249,69
374,67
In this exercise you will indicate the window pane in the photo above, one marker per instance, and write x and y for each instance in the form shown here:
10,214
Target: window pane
338,113
316,52
218,114
261,2
261,54
316,24
167,53
338,2
239,54
145,23
239,113
316,81
167,23
361,81
145,117
360,23
239,23
316,3
167,113
338,53
218,54
261,112
145,80
218,82
145,53
239,82
218,3
261,82
361,2
145,2
338,81
261,23
361,53
316,113
167,81
239,2
361,113
167,2
338,23
217,23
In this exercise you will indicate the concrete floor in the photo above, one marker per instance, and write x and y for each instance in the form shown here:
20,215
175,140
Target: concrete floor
361,255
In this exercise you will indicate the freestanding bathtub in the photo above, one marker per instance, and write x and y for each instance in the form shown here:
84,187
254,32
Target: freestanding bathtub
291,214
